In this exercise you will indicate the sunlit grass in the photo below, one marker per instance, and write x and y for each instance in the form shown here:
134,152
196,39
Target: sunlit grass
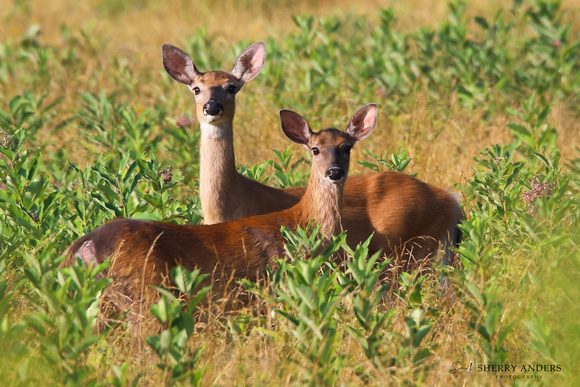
83,83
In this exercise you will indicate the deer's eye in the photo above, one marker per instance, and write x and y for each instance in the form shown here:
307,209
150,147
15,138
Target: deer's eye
231,89
196,90
315,151
347,149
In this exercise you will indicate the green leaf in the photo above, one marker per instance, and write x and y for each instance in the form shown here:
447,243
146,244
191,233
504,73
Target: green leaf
519,129
474,290
420,335
492,319
482,22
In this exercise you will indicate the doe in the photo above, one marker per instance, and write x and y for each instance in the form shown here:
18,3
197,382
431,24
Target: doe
142,253
408,218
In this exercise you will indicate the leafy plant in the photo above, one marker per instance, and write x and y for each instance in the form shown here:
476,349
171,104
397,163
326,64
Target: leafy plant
67,308
91,128
310,297
171,345
397,162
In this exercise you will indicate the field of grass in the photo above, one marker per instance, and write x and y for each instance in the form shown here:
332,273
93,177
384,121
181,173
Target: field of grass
482,99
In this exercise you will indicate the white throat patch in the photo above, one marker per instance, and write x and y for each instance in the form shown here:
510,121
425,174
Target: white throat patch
211,130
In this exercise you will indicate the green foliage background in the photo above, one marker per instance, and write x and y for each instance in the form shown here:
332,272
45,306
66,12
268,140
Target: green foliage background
485,104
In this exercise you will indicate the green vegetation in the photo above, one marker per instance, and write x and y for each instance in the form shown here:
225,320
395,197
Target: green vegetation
486,105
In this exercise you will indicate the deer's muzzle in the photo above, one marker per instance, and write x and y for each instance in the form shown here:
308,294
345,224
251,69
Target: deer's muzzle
335,173
213,107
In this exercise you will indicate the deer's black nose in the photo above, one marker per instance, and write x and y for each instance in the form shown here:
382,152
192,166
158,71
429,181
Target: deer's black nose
213,107
335,173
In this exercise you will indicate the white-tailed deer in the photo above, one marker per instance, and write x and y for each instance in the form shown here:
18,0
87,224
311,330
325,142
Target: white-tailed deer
142,253
409,218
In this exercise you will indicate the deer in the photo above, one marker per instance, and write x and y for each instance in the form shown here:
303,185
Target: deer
408,219
141,253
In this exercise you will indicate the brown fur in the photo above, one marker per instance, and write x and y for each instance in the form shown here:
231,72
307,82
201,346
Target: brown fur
407,216
142,253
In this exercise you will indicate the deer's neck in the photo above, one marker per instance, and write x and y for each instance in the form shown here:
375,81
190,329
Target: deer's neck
218,174
322,202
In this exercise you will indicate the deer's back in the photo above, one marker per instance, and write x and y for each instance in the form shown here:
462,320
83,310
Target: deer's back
143,252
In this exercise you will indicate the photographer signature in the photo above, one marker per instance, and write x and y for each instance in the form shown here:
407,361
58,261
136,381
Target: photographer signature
459,369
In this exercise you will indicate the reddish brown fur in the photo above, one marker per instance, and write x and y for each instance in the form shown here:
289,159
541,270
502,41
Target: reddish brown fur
402,212
143,252
398,209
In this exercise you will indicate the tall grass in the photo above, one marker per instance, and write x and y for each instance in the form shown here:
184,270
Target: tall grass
479,99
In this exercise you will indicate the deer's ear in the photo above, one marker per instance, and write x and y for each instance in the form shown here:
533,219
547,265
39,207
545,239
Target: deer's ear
178,64
363,122
295,127
250,62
